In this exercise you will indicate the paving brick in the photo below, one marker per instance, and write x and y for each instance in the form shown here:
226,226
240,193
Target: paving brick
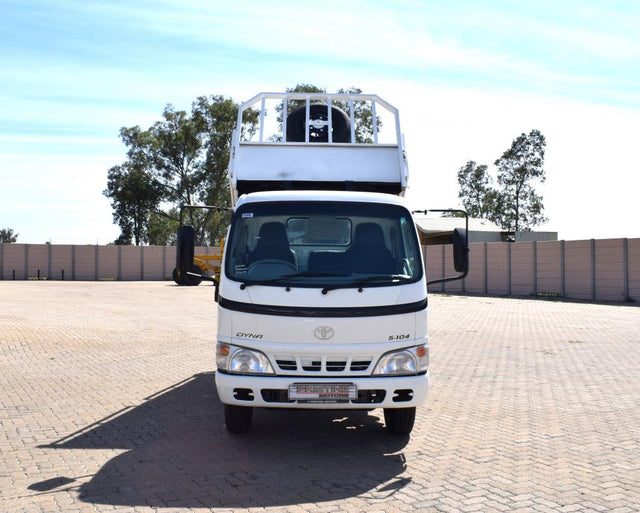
108,404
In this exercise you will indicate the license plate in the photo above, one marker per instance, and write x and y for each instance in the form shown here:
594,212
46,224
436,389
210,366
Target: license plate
325,392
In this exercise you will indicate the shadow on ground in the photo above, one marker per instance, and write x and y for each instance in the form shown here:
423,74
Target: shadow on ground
179,454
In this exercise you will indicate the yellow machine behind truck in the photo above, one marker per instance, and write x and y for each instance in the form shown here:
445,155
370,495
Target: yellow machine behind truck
202,265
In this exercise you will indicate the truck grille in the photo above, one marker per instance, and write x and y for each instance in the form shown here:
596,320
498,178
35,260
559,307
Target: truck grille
318,364
287,364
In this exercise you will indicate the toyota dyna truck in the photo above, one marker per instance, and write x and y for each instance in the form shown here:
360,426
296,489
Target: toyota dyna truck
322,293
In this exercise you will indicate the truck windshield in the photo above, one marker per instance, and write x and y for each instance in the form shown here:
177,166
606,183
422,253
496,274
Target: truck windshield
323,244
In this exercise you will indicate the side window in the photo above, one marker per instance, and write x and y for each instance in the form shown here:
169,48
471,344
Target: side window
409,249
238,257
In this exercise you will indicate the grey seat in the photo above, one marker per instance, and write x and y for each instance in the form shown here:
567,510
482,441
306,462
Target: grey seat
368,252
273,244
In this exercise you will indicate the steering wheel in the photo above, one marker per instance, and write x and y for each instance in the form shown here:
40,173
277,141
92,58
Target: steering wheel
271,266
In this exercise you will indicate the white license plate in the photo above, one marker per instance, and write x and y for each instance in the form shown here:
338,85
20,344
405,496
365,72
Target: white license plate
327,392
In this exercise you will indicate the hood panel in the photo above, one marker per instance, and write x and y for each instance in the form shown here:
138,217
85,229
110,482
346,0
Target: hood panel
330,333
313,298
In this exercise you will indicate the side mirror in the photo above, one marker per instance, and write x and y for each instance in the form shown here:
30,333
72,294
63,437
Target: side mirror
460,251
460,246
185,248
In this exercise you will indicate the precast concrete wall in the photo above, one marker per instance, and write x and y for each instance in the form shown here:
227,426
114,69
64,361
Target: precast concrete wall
89,263
592,270
107,262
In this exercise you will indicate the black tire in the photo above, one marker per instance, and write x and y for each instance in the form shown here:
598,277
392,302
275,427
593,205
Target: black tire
178,277
194,281
237,418
341,126
399,421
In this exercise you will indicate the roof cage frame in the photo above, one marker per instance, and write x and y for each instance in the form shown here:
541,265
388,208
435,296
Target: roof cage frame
327,98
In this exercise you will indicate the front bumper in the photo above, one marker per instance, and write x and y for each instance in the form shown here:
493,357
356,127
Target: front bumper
272,391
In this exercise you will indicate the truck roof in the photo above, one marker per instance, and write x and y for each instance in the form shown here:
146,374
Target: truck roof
351,196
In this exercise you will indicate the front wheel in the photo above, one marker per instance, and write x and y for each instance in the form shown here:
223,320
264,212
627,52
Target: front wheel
237,418
399,421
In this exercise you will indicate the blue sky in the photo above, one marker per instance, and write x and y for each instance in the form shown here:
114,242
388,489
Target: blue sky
467,76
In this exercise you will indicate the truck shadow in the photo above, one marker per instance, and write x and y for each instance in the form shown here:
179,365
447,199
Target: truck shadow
179,454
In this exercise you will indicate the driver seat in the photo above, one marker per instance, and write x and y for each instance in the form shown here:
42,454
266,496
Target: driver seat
273,244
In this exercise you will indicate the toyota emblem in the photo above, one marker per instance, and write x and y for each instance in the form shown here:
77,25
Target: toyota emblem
323,332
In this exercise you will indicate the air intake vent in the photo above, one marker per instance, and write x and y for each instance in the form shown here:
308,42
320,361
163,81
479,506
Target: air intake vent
336,365
360,365
287,364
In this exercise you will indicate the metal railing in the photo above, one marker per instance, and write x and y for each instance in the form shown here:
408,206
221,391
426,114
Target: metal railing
331,101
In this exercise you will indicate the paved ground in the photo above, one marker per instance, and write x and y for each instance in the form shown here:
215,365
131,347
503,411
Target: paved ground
108,403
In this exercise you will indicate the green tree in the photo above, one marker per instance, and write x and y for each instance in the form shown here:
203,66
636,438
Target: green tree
187,156
134,194
163,228
518,169
514,205
363,116
306,88
296,104
7,236
479,198
217,117
171,152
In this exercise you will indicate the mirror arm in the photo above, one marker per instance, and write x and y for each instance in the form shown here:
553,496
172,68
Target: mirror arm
466,240
211,279
203,278
205,207
450,278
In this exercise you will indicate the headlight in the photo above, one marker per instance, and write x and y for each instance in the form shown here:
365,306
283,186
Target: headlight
239,360
405,362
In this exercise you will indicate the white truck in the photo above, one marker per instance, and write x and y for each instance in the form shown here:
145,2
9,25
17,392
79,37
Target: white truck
322,295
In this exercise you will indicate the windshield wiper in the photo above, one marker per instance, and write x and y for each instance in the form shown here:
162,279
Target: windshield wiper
284,277
368,279
314,274
383,277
